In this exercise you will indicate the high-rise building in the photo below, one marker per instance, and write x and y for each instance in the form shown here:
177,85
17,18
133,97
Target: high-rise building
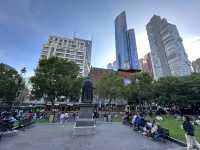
110,66
141,63
115,65
76,50
167,51
133,55
147,64
126,51
196,65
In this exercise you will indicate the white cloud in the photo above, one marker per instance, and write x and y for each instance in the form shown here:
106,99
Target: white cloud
192,47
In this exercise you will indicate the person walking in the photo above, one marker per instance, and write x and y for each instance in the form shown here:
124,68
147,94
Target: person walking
189,134
66,116
62,118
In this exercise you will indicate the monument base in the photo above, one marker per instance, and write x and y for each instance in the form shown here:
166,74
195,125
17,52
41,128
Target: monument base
85,124
84,127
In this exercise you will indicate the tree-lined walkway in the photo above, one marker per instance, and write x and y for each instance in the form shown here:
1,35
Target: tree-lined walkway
55,137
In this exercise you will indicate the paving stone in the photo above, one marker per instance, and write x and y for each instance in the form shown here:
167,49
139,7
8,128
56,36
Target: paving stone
113,136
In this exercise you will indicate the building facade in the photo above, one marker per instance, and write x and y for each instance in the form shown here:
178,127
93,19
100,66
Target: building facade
168,54
196,65
76,50
146,64
141,63
132,49
110,66
126,51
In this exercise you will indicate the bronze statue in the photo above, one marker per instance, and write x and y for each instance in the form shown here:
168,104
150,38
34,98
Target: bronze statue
87,91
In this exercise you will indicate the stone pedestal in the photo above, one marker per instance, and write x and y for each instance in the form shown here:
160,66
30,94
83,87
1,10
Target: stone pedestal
85,124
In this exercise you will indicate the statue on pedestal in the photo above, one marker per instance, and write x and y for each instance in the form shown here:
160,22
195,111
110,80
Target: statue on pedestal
85,124
87,91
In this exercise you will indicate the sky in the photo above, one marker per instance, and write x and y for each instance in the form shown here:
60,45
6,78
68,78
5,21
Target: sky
25,26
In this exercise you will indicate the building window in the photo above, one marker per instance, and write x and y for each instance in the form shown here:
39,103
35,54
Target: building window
60,50
172,56
79,61
59,54
79,53
80,57
73,46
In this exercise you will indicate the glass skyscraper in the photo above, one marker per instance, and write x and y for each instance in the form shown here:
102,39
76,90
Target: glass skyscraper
126,51
133,56
168,53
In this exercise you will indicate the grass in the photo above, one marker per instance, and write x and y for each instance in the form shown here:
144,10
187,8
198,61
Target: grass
42,121
174,126
117,119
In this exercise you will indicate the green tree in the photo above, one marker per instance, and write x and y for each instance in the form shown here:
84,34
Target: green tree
75,93
109,87
177,90
54,78
144,85
130,93
10,84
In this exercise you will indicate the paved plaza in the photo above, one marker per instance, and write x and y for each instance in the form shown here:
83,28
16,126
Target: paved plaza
109,136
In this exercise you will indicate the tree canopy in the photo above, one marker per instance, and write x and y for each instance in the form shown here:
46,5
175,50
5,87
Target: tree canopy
54,78
109,87
10,84
178,90
143,89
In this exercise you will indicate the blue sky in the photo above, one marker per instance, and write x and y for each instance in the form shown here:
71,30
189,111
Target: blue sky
26,24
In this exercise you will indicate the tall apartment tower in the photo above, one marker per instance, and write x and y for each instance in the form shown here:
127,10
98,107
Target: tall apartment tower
76,50
196,65
147,64
168,54
126,51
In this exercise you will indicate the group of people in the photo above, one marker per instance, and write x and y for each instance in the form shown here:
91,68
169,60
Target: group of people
148,128
154,130
7,120
64,116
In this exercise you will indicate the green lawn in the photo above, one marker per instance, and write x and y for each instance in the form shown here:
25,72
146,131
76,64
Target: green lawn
117,119
42,121
174,126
